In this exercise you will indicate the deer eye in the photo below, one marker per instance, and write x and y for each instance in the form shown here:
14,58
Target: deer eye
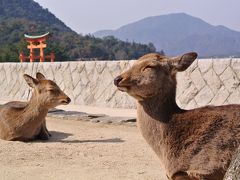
50,90
148,67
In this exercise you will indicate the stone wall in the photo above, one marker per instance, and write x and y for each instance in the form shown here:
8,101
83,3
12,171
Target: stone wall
207,81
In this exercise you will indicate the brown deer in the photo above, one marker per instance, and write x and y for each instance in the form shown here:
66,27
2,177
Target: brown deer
191,144
25,121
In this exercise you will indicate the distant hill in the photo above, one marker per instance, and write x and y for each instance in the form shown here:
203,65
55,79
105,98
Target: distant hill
178,33
19,17
32,11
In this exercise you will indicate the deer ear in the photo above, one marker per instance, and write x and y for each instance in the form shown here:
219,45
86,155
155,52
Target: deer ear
40,76
30,80
181,63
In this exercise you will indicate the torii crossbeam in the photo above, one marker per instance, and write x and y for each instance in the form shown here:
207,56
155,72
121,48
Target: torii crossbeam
36,42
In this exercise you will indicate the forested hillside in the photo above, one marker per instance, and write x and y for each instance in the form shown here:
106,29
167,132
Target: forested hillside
19,17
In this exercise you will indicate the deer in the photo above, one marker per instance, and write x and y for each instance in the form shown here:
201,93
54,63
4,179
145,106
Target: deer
190,144
25,121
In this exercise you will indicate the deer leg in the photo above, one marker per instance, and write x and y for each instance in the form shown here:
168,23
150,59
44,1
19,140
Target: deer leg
50,135
43,134
183,176
45,127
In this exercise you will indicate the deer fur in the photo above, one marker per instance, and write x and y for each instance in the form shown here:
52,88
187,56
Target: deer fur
191,144
25,121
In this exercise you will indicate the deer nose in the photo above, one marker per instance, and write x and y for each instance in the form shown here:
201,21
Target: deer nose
68,100
117,80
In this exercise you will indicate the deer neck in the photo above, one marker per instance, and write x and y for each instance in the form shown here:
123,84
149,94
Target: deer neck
154,115
34,111
160,107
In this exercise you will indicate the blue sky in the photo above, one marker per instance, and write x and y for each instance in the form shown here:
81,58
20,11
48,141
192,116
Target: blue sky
88,16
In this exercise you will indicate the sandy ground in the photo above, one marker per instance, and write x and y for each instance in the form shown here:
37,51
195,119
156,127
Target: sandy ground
81,151
100,110
96,110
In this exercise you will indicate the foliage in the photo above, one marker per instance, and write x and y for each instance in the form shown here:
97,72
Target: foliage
17,18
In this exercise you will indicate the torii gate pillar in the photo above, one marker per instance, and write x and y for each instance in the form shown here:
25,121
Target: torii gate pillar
36,42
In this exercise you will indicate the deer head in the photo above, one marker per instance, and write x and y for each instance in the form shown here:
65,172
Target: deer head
153,74
46,91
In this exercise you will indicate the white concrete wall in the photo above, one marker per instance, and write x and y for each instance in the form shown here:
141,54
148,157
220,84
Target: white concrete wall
207,81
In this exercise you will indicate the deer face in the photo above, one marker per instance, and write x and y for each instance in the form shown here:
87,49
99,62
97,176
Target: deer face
152,74
46,91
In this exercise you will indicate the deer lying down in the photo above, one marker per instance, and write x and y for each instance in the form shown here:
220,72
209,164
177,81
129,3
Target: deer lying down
191,144
24,121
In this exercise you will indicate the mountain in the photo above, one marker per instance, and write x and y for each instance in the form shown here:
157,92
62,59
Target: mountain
179,33
19,17
28,9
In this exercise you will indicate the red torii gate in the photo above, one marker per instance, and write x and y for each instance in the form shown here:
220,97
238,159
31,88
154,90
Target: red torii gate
36,42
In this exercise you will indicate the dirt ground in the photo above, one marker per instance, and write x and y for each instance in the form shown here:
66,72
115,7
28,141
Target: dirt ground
81,151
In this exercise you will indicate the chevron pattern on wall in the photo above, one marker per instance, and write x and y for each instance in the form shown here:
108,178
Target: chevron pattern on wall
206,82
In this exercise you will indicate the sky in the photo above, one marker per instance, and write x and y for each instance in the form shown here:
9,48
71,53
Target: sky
89,16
